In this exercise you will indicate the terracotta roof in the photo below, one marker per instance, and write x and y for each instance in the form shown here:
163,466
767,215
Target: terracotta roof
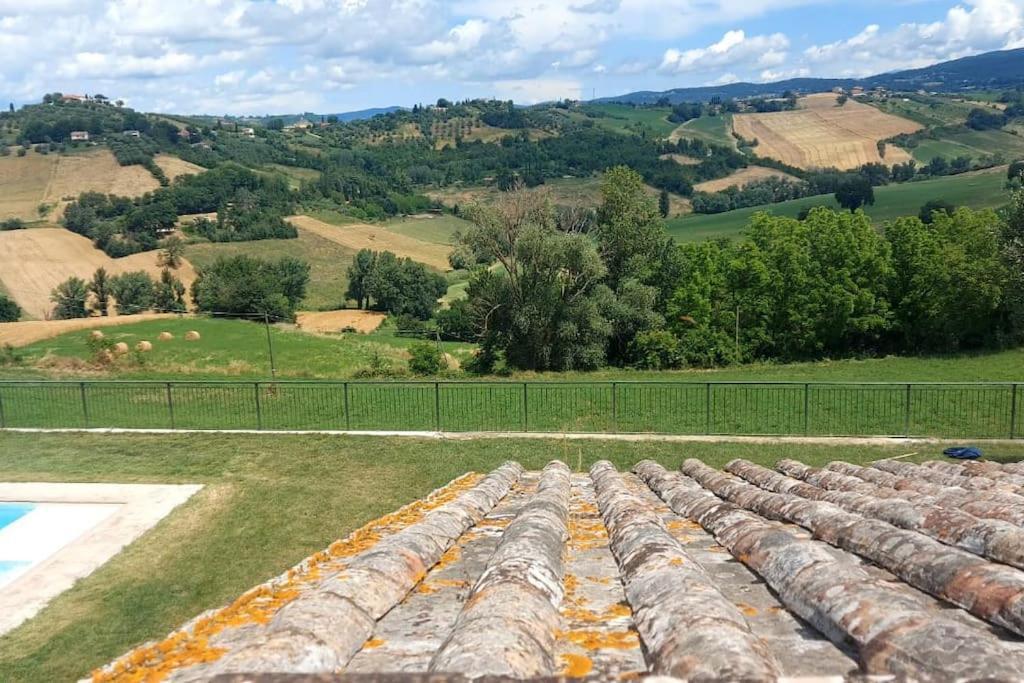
913,571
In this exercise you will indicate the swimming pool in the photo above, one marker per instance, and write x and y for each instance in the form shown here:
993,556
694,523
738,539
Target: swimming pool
10,513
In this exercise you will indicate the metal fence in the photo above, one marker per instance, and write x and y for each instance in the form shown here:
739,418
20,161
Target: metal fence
718,408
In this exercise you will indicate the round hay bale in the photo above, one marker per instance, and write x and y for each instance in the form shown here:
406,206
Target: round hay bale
191,335
96,335
144,346
165,336
105,357
120,347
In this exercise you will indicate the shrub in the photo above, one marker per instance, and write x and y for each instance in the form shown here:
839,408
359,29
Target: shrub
426,359
655,350
457,322
9,310
12,224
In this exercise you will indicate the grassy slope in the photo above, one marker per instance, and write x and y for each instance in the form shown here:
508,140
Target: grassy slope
238,349
713,129
268,503
619,118
439,229
328,263
983,189
972,143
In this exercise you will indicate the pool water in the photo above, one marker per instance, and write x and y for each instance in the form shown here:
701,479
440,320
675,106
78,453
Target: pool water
10,512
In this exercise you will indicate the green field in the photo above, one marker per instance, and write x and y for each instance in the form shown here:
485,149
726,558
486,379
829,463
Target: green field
269,502
714,129
622,118
972,143
328,263
935,111
439,229
294,175
978,190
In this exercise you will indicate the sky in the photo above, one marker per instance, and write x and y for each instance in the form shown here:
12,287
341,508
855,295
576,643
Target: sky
255,57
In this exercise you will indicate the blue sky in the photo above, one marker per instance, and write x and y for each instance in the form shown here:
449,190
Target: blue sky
281,56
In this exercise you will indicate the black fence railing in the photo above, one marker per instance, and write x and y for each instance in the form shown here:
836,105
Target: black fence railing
978,410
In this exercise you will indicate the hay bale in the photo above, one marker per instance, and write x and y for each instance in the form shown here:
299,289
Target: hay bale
191,335
165,336
105,357
144,346
120,347
96,335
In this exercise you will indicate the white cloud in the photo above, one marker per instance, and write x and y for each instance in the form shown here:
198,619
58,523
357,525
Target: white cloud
531,91
735,48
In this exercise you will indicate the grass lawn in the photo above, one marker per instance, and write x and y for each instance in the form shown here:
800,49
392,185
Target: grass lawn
268,502
328,262
437,229
978,190
714,129
622,118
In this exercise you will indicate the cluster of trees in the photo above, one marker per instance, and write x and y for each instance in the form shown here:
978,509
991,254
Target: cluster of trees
10,311
769,190
829,285
252,287
132,293
400,286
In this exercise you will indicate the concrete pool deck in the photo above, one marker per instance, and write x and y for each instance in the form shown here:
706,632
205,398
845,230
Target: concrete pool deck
74,529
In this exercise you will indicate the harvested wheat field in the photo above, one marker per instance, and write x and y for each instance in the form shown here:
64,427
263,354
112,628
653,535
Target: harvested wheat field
173,167
26,182
33,262
742,178
821,134
681,159
30,331
362,236
797,573
326,322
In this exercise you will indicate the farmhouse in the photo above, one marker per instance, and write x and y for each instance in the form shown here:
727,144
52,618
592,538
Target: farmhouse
132,133
74,98
698,574
301,124
248,132
79,136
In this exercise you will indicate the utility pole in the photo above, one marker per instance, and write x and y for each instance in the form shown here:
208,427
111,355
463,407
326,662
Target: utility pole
270,346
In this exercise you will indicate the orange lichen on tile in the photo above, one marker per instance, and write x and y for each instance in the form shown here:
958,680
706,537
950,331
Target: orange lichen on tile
373,643
154,662
597,640
748,610
575,666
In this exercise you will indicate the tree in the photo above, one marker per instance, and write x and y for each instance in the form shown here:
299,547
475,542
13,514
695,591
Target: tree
358,272
100,287
133,292
172,254
1015,170
169,293
544,310
425,359
985,119
403,286
855,192
664,204
247,286
629,229
70,297
930,207
275,124
842,100
9,310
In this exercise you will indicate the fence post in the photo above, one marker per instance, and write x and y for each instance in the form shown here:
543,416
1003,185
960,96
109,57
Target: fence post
259,410
170,405
85,405
437,406
807,408
526,409
1013,411
615,407
707,407
906,413
3,418
348,419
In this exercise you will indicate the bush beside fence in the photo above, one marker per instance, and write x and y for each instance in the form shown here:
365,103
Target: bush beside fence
715,408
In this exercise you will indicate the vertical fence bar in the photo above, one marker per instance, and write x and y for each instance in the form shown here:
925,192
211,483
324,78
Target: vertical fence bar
437,406
707,407
259,409
3,417
1013,411
615,407
807,408
906,413
170,405
526,408
348,418
85,405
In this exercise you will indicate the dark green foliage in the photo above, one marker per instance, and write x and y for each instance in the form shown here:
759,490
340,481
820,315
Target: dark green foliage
9,310
402,286
169,293
358,272
932,206
133,292
1015,170
985,119
101,289
664,203
456,322
766,191
69,298
855,192
12,224
246,286
425,359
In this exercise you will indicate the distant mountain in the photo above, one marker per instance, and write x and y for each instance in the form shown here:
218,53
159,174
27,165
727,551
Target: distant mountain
990,70
344,117
365,113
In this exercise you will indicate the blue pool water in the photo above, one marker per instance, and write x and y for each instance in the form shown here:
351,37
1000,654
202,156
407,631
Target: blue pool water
10,512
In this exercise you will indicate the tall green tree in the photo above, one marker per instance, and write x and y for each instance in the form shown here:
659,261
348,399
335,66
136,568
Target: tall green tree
664,203
358,272
99,286
10,311
247,286
169,293
69,298
133,292
855,192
